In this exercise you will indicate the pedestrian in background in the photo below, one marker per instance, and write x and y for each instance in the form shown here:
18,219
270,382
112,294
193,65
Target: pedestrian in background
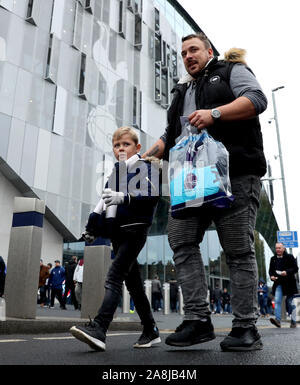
47,286
78,279
69,284
56,280
262,293
217,297
156,294
2,275
226,301
173,295
44,275
282,270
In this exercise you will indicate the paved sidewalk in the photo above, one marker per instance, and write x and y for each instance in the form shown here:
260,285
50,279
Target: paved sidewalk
59,321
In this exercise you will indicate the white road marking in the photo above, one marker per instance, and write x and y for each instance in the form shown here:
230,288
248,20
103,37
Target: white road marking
13,340
52,338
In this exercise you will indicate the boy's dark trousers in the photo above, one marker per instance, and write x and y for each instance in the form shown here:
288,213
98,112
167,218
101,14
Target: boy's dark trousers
127,244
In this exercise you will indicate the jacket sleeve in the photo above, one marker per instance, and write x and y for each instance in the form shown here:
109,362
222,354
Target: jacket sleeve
272,271
293,269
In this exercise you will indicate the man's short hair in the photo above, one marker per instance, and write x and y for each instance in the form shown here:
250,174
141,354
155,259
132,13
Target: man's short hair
199,35
57,261
123,131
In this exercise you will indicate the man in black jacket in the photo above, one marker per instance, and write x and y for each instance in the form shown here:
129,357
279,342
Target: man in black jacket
70,285
283,267
224,97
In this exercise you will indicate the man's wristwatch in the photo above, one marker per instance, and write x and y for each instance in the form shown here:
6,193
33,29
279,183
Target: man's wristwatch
216,114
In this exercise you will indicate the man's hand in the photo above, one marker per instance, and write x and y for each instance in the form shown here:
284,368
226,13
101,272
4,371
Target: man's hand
273,278
284,273
201,119
112,197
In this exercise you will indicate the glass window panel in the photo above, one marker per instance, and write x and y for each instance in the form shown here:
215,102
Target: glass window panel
53,58
77,37
66,168
88,176
22,94
8,81
40,55
60,110
63,209
5,122
47,106
55,164
75,218
35,97
77,172
27,47
138,32
42,160
15,147
8,4
29,154
87,31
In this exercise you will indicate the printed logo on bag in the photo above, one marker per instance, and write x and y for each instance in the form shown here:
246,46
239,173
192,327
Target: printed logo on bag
215,79
190,181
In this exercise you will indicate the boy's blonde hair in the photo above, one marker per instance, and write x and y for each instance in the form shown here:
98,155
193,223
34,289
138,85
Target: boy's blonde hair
123,131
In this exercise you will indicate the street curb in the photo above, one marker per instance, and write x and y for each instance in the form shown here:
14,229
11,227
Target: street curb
45,326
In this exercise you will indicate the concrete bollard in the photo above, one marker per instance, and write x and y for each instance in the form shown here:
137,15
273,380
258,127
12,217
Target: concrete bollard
97,261
126,300
24,253
166,291
297,304
148,290
181,304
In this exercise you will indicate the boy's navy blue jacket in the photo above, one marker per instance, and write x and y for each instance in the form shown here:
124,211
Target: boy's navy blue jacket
57,277
140,184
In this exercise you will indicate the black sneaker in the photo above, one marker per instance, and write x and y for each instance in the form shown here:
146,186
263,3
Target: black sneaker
191,333
293,324
242,339
92,334
149,337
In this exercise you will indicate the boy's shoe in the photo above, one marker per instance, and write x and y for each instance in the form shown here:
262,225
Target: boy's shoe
191,332
275,322
149,337
92,334
293,324
242,339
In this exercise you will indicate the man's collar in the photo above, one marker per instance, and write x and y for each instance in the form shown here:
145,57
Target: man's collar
187,78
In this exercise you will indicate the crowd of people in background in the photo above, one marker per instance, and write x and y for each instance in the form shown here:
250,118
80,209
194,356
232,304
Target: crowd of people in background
63,283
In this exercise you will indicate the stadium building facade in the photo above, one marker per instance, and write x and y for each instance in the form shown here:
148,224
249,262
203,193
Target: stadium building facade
71,72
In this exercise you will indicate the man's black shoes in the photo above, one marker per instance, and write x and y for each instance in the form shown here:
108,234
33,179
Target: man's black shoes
191,333
149,337
242,339
92,334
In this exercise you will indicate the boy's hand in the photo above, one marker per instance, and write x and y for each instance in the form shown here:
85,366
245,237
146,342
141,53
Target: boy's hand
89,238
112,197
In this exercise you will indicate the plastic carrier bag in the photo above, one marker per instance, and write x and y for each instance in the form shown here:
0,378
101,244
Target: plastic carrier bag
198,172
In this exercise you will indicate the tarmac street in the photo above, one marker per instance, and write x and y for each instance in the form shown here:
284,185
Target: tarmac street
56,347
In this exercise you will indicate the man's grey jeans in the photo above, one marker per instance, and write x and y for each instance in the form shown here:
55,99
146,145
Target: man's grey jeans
235,227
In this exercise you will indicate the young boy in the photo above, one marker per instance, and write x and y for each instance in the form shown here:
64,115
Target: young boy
132,196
